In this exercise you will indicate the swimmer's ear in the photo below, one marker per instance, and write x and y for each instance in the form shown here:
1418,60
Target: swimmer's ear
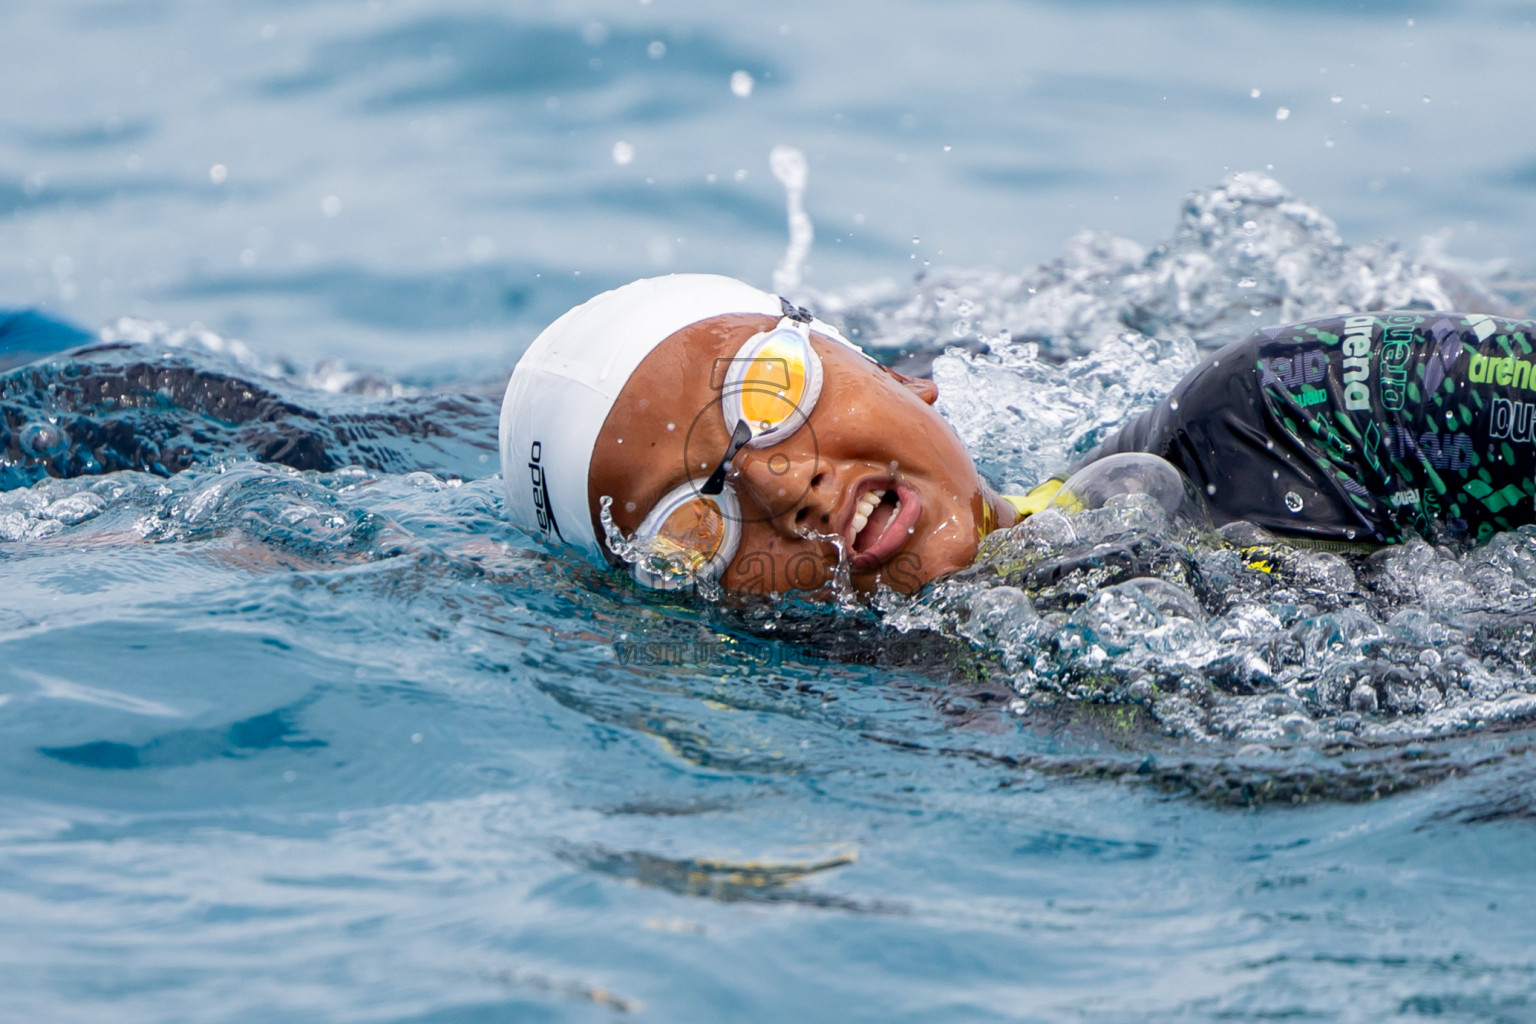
923,388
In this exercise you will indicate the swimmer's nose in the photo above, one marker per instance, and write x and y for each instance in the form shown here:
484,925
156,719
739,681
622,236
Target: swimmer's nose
798,492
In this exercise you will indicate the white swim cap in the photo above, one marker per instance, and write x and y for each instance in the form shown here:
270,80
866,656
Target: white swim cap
564,386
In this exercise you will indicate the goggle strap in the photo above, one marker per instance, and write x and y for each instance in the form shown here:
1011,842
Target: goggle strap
793,312
739,437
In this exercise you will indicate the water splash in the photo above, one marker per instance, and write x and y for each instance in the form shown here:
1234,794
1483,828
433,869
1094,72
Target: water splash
790,168
1244,253
662,563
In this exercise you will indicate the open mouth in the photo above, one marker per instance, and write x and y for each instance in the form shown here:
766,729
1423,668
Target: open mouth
882,521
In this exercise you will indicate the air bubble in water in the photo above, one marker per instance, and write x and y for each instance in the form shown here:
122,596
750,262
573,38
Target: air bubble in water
1282,113
623,153
742,83
1293,501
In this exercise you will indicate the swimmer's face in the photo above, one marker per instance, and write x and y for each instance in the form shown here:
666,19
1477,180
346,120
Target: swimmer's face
871,431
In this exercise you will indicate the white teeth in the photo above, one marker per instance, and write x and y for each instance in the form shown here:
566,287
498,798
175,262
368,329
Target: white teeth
862,510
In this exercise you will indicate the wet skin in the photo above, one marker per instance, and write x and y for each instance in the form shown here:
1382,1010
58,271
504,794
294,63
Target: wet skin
871,429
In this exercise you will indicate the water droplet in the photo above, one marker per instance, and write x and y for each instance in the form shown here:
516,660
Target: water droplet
41,439
1255,93
671,426
1293,501
1282,113
1274,474
1210,489
218,172
656,50
1362,698
742,83
1336,98
623,153
1349,533
1173,403
1424,99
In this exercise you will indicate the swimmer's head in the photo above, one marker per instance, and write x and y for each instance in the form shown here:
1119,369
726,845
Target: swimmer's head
727,425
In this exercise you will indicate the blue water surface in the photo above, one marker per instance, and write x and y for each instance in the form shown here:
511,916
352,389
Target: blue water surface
330,741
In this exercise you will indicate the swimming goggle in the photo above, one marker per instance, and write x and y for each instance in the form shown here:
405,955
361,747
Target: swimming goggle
769,389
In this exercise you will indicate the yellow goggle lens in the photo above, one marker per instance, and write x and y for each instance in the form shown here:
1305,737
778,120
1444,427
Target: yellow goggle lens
773,384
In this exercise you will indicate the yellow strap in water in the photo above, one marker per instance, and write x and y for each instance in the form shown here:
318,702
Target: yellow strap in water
1035,500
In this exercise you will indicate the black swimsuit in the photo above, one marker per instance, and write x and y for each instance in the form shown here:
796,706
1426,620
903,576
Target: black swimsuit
1353,429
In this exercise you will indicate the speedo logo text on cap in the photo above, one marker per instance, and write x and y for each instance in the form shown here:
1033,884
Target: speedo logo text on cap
543,511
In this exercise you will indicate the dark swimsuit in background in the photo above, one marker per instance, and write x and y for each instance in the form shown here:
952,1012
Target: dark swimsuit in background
1354,429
